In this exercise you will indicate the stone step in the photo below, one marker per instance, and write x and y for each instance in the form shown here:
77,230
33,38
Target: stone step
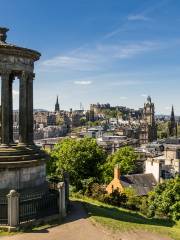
21,164
20,157
17,153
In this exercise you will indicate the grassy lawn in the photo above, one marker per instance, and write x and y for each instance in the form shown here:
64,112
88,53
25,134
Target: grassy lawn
5,233
125,220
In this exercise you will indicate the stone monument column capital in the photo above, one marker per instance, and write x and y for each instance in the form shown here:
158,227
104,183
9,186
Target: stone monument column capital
5,72
27,75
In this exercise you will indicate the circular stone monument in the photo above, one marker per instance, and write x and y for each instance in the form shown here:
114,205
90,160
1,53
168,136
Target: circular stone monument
22,165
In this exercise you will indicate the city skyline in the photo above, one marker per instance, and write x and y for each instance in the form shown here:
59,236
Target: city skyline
118,52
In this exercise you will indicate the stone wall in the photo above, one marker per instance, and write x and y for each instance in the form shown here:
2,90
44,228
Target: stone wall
25,177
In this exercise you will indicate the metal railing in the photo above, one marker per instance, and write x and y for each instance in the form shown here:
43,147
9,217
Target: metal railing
17,208
3,211
34,207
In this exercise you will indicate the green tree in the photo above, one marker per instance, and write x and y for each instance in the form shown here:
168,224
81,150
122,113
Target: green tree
165,199
133,201
162,130
83,121
125,157
80,158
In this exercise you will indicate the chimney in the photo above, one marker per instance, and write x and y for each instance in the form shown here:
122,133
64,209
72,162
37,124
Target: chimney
117,172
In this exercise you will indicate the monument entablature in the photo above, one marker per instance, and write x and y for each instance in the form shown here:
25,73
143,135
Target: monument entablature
16,63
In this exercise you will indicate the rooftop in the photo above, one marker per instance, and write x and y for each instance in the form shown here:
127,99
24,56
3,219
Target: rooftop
141,183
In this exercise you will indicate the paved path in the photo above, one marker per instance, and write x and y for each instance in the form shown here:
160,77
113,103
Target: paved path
78,227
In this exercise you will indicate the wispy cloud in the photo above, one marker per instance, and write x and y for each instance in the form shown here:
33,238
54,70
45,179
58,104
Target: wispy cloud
73,62
167,108
114,80
83,82
97,57
15,93
129,82
123,51
144,95
123,98
138,17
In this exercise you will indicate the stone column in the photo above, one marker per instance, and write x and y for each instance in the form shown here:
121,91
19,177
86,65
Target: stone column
26,108
6,108
13,208
30,121
23,114
62,199
66,181
11,109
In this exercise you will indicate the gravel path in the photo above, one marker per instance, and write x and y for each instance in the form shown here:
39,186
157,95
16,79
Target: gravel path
78,227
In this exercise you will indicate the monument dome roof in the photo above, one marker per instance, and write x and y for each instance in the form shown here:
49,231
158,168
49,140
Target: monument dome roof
13,50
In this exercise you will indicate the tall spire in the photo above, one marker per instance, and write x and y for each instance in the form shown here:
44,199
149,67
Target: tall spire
57,100
57,108
172,114
149,99
172,124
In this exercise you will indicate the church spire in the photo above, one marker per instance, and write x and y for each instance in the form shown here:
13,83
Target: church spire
172,114
57,108
172,124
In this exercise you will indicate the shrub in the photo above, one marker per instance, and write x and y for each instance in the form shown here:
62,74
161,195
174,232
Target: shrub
164,200
116,198
133,201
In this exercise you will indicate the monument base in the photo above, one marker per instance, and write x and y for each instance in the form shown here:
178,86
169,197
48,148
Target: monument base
21,168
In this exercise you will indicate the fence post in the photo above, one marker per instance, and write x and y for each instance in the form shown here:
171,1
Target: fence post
62,199
66,181
13,208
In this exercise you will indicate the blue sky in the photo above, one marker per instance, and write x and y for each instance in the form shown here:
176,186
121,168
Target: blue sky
116,51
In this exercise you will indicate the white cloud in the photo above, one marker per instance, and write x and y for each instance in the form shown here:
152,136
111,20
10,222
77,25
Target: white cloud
123,98
138,17
167,108
83,82
124,51
15,93
144,95
97,57
129,82
69,62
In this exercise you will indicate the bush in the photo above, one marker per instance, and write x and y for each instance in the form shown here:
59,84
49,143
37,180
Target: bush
127,199
116,198
164,200
133,201
143,207
86,185
98,192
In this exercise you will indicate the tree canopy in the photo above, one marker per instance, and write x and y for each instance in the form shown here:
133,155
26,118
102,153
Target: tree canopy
165,199
80,158
125,157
